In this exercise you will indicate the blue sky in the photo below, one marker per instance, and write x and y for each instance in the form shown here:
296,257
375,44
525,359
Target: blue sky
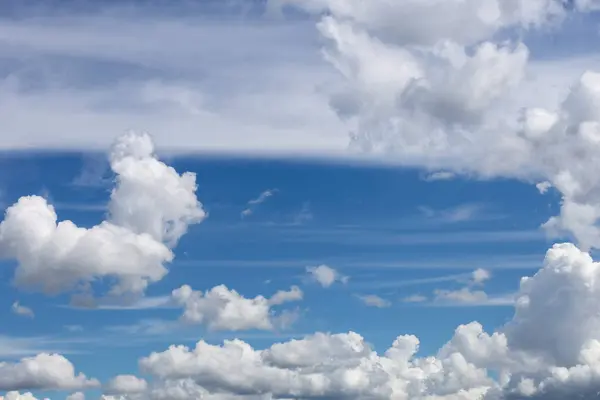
384,170
387,229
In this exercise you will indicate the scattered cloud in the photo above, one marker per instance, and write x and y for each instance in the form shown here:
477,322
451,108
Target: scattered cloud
543,187
415,298
373,300
252,204
462,213
21,310
325,275
477,277
223,309
440,176
481,275
43,371
464,295
304,215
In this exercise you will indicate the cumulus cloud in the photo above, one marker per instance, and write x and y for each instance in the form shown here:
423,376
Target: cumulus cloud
443,94
223,309
325,275
548,350
21,310
150,208
76,396
43,372
125,384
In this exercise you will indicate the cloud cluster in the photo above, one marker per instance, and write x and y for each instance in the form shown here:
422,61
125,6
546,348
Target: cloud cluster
435,85
223,309
44,371
150,208
548,350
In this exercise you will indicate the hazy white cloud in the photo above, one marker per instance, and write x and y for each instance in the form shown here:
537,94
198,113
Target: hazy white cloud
21,310
464,295
461,213
325,275
440,176
481,275
372,300
415,298
252,204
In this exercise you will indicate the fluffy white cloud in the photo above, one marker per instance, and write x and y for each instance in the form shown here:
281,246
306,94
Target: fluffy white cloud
21,310
76,396
13,395
550,349
430,84
44,371
125,384
223,309
150,208
325,275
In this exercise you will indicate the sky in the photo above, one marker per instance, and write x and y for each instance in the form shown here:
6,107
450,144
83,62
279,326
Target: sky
299,199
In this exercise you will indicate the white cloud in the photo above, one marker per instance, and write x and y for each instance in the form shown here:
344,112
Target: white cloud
154,83
125,384
414,95
14,395
440,176
481,275
149,210
252,204
543,187
21,310
461,213
464,295
325,275
549,349
223,309
373,300
76,396
44,371
415,298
